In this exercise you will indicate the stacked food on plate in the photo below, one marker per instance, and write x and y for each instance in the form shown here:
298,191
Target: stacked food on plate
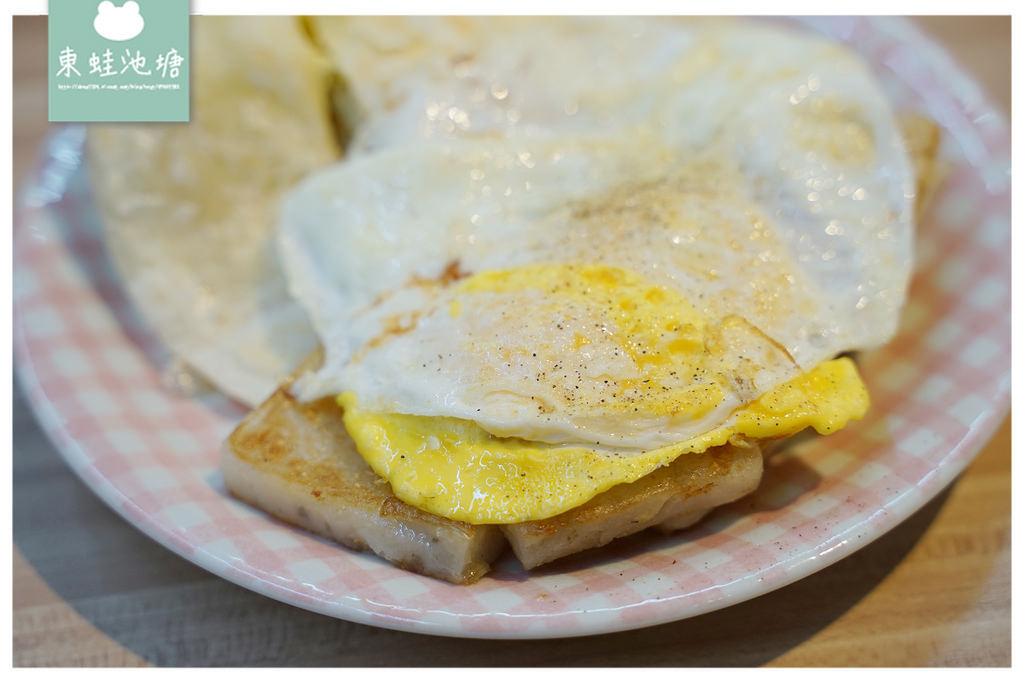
499,282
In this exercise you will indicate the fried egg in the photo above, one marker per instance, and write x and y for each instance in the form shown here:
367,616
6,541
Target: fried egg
456,469
432,78
517,322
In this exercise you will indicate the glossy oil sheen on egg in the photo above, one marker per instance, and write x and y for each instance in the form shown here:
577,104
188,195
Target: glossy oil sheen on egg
755,178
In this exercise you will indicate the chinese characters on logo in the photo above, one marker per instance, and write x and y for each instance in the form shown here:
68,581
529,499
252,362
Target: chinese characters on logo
68,59
169,61
120,60
168,64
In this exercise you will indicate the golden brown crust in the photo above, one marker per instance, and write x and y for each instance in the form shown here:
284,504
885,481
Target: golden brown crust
669,498
696,477
296,461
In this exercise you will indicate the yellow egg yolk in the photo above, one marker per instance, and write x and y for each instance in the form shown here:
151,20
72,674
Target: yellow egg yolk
455,469
629,345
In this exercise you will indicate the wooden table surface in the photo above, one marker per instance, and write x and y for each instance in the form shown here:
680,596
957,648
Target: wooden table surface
90,590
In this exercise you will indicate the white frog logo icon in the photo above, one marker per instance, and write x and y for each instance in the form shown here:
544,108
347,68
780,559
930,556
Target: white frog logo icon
118,23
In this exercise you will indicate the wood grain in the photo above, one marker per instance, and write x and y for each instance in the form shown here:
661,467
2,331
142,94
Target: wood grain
90,590
48,633
953,586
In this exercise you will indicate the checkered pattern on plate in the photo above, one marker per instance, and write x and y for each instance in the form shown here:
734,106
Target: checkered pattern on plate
130,425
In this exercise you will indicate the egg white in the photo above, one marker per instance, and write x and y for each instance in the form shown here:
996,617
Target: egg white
757,173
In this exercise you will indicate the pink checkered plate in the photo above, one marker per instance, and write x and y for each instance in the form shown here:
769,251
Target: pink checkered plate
105,391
